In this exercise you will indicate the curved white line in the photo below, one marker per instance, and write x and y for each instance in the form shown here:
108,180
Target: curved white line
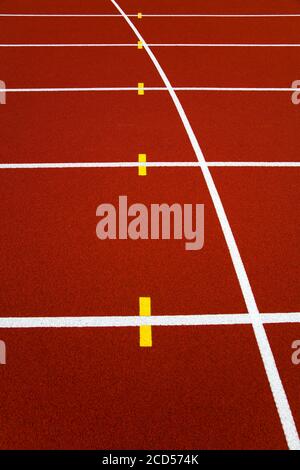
280,398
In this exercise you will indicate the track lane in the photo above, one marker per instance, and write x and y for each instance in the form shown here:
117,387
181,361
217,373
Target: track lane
119,397
55,6
219,30
263,206
218,6
53,263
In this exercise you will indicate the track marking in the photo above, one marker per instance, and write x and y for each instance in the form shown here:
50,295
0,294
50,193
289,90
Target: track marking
155,15
212,15
222,45
145,330
151,45
57,165
141,88
279,395
142,168
138,321
140,45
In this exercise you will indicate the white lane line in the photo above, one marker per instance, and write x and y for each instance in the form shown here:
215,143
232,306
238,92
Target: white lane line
239,89
280,398
117,89
155,15
59,15
73,89
224,45
152,45
237,164
213,15
71,45
135,321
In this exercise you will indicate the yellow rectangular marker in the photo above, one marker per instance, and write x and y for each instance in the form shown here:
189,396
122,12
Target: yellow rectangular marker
142,168
140,16
140,45
145,330
141,89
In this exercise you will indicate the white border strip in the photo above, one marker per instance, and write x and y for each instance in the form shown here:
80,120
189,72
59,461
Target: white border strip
117,89
66,165
135,321
280,397
152,45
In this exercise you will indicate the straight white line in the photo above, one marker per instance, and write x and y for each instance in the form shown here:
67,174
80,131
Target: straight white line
239,89
212,15
155,15
59,15
135,321
152,45
282,317
237,164
280,398
72,45
224,45
72,89
117,89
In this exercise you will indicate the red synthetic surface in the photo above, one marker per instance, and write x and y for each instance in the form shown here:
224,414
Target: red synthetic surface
244,126
220,30
263,207
94,389
197,387
108,130
69,271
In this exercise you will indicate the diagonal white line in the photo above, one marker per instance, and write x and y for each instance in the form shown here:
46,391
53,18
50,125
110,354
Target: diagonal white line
237,164
154,320
280,398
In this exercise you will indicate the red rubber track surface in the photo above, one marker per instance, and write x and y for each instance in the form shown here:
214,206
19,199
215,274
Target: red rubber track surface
198,386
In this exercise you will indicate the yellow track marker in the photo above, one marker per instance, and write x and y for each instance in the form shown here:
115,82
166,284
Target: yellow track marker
140,45
140,16
141,90
142,168
145,330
